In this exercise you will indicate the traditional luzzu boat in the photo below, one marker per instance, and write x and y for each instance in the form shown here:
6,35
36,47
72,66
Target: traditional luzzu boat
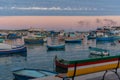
104,35
105,38
73,40
27,74
8,49
72,68
13,36
35,39
98,51
55,46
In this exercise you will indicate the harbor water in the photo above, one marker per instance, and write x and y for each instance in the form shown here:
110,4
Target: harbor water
38,57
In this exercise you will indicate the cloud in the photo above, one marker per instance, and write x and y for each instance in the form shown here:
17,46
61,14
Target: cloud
53,8
1,8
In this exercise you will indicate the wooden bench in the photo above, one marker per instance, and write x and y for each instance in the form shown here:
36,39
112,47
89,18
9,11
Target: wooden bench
71,69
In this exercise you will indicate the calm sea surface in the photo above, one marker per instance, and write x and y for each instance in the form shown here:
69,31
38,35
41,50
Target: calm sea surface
38,56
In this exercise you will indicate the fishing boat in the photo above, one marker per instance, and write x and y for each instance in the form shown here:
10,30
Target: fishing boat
104,34
55,46
35,39
13,36
73,40
1,40
72,37
72,68
105,38
115,33
92,35
98,51
8,49
27,74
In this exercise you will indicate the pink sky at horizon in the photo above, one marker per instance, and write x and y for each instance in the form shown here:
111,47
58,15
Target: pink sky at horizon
80,23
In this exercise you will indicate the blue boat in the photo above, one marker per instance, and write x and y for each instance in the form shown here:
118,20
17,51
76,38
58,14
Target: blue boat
8,49
13,36
92,35
27,74
55,46
73,40
98,51
110,38
33,41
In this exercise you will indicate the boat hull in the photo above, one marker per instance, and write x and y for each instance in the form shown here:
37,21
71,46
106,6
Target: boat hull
33,41
73,41
91,37
55,47
28,76
19,49
87,66
98,51
116,37
104,39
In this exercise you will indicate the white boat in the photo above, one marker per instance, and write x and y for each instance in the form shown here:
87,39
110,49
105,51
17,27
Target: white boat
98,51
8,49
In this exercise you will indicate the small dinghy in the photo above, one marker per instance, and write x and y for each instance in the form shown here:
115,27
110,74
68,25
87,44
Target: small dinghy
26,74
98,51
55,46
8,49
72,40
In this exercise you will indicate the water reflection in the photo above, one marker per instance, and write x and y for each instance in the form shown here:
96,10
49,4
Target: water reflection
11,62
94,56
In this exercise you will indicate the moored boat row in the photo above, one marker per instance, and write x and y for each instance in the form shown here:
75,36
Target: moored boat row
84,66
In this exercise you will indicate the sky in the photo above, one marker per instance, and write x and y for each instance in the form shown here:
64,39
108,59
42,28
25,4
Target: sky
73,23
59,14
59,7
